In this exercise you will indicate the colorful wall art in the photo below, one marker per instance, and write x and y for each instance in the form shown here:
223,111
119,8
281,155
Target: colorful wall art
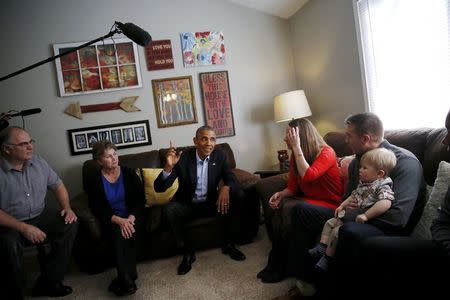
203,48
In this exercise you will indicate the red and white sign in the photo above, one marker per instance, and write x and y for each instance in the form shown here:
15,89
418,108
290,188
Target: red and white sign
159,55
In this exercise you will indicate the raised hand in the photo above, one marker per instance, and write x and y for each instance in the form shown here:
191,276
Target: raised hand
293,139
172,158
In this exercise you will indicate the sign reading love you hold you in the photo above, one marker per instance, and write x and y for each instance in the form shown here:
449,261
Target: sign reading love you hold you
159,55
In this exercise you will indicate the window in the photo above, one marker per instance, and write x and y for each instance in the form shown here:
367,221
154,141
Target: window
405,56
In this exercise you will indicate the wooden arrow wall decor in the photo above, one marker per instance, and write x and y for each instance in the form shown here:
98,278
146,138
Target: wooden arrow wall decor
127,104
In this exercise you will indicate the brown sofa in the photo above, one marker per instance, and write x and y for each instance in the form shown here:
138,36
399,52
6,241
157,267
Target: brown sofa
425,143
90,252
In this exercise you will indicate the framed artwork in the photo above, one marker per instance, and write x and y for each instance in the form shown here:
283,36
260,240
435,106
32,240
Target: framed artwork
174,101
100,67
217,102
123,135
203,48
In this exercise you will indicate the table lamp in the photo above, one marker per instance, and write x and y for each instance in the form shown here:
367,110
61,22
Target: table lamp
289,106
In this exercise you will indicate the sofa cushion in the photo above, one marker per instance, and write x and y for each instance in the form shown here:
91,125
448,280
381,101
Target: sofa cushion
149,159
148,176
336,140
422,229
245,178
414,140
435,152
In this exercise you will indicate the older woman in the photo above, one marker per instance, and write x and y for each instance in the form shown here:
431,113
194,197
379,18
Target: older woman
116,198
314,178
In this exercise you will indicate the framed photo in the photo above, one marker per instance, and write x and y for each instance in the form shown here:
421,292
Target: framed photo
174,101
217,102
123,135
100,67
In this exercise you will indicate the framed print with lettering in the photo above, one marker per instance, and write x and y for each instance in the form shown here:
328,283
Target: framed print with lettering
217,102
159,55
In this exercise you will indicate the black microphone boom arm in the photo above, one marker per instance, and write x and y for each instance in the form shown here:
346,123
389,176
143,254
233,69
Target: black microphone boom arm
52,58
137,34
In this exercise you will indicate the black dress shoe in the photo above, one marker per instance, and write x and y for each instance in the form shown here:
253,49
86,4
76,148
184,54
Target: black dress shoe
262,272
114,286
125,290
233,252
186,264
272,277
44,289
122,287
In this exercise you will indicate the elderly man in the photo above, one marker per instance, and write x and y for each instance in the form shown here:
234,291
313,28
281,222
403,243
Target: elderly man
25,219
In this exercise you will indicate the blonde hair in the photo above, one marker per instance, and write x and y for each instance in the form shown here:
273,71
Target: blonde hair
380,159
311,141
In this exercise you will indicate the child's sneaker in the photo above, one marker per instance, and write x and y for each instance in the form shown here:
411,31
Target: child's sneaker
322,264
318,251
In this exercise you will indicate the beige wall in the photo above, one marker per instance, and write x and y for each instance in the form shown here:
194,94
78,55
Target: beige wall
327,62
316,50
259,62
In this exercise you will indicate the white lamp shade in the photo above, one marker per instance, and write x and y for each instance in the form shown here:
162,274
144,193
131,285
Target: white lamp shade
291,105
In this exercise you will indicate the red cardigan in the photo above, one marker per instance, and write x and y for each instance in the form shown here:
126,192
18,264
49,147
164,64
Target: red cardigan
321,184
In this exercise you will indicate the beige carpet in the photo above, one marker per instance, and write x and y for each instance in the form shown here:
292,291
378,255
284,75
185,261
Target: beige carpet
213,276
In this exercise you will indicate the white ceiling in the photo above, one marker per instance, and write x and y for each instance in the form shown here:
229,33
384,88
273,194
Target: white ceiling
280,8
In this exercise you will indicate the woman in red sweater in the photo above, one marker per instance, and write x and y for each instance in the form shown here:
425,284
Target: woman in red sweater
314,177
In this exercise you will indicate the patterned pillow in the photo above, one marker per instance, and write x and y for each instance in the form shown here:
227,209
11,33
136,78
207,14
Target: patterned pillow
148,176
422,229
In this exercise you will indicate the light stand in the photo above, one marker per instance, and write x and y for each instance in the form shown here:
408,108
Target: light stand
130,30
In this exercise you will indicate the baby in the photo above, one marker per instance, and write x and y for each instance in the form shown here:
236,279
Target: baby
371,198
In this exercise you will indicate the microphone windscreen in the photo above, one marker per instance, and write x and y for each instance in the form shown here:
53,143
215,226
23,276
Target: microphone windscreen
3,124
27,112
135,33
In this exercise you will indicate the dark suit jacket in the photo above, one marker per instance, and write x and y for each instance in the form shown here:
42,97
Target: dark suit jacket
186,172
134,196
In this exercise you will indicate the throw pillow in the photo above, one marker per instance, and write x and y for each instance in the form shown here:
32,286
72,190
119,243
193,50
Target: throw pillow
422,229
148,176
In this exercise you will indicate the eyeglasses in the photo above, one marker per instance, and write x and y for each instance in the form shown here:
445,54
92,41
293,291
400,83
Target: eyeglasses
23,144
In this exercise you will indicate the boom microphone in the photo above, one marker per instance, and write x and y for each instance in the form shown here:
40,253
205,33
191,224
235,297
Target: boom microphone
27,112
135,33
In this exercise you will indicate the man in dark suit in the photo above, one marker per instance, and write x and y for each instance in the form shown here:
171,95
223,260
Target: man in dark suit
199,171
